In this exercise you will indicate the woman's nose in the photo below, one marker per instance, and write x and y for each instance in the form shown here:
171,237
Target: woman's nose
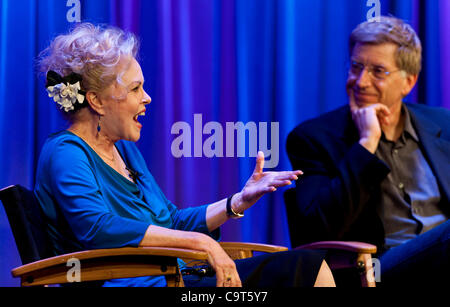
147,99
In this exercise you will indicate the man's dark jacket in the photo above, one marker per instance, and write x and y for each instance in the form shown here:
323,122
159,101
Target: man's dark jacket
337,195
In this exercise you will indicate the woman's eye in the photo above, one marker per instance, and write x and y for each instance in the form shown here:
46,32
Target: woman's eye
136,89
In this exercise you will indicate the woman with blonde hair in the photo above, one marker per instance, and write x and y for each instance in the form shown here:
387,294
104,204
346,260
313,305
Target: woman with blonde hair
96,190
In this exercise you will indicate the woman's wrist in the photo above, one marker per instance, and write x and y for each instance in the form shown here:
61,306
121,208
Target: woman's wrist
237,203
233,206
203,242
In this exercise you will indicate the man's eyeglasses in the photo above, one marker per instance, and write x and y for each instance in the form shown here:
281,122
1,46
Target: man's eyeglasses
377,72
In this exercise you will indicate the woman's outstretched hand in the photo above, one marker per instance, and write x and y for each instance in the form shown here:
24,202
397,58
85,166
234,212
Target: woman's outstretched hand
261,183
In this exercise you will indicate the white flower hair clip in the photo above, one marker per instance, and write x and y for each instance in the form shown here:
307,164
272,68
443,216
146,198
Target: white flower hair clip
65,91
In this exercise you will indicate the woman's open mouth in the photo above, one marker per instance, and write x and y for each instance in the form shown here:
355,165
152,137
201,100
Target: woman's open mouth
135,118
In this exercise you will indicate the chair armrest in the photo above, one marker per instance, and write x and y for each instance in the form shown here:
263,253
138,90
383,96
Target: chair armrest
239,250
356,247
102,264
347,254
3,190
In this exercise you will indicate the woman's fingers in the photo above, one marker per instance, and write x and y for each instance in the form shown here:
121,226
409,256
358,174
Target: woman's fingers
259,163
237,280
219,278
226,272
230,281
271,181
276,184
286,177
285,173
281,178
263,183
228,278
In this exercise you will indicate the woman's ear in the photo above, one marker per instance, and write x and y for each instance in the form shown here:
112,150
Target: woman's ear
95,102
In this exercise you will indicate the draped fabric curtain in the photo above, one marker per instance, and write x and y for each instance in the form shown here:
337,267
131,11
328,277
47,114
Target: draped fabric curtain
207,63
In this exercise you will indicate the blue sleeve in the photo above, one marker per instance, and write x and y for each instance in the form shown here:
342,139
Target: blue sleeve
77,192
188,219
193,219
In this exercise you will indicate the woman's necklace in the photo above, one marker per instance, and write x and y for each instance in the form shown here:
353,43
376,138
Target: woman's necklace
112,160
120,167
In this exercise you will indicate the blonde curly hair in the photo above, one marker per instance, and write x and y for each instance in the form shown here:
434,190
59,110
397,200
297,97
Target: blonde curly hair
93,52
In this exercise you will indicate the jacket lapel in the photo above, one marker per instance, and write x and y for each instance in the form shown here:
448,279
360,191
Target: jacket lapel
436,147
341,126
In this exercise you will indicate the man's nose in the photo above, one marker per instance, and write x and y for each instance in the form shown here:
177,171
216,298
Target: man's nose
364,79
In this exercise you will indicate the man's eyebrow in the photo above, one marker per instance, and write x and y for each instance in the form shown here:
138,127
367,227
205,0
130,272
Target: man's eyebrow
372,64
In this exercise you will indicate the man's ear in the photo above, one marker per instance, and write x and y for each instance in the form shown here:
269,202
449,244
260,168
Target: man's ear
410,82
95,102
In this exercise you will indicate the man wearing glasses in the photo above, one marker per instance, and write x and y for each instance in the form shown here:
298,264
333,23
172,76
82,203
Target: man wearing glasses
378,170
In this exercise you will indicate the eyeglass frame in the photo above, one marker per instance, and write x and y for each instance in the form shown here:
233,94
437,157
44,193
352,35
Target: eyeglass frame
370,69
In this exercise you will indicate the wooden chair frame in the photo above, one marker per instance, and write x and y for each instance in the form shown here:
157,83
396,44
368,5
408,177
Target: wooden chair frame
345,254
126,262
341,254
103,264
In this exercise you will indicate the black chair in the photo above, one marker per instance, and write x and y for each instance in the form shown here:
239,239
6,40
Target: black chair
349,261
42,267
24,213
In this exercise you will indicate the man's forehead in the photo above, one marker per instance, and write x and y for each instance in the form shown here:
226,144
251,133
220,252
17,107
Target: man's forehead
381,54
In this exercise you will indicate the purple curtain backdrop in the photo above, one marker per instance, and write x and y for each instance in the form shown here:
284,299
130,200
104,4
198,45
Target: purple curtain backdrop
229,60
445,51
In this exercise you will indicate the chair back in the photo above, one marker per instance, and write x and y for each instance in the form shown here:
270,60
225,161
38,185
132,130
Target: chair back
303,229
26,220
293,217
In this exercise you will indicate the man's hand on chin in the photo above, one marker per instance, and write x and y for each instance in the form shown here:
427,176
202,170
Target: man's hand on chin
369,120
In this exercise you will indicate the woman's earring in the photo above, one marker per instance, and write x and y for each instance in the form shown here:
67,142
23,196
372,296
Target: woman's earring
98,125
